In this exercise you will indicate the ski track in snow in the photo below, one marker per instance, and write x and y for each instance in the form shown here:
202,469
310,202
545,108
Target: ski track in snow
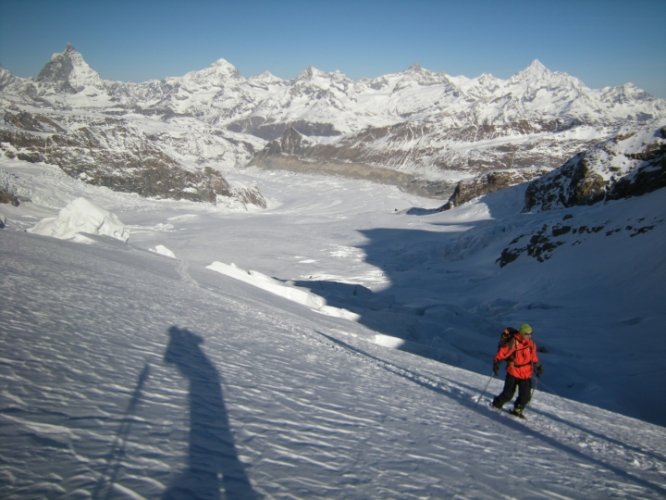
132,375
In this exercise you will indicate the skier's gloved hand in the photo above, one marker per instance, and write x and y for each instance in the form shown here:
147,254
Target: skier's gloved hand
539,370
496,367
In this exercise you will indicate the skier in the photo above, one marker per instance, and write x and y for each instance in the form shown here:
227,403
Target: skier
520,351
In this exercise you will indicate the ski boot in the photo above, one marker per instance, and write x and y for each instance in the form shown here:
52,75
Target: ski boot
518,411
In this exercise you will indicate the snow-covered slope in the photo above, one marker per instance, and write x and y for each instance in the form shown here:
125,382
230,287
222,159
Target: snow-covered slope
128,373
418,129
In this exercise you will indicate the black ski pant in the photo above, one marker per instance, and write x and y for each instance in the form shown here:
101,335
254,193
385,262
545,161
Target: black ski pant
524,386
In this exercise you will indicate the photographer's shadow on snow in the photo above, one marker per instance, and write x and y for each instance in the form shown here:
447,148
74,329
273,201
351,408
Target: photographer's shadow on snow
213,469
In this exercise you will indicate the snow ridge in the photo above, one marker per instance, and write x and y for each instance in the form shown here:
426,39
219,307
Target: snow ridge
288,292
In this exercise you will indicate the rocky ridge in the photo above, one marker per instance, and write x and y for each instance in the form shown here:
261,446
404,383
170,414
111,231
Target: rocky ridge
630,164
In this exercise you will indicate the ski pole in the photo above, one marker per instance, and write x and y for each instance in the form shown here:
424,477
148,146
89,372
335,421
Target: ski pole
119,446
483,393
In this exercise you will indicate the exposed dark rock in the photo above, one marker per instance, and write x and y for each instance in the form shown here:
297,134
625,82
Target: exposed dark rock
572,184
91,154
271,131
32,122
469,189
541,244
8,197
649,177
579,181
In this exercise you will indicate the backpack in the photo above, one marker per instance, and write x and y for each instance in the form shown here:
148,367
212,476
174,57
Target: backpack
506,335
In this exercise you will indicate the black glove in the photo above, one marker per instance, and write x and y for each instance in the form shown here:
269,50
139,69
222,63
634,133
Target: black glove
496,366
539,370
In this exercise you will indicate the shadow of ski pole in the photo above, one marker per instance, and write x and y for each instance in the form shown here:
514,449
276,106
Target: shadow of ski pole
109,476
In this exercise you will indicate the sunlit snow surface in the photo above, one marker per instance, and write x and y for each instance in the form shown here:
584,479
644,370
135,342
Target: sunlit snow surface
144,369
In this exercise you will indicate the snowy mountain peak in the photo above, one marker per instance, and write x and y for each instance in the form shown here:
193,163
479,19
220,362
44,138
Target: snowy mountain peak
266,80
561,87
267,76
224,66
416,74
69,71
310,73
538,67
218,71
487,77
416,68
625,94
420,73
488,81
322,79
6,77
536,71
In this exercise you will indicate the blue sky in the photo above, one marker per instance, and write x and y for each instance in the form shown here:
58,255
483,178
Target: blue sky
602,42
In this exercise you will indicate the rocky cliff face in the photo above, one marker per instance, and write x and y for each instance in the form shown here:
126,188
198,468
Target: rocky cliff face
115,155
468,189
420,130
629,164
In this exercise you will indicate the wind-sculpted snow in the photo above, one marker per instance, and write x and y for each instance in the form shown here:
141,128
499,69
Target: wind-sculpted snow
127,373
82,216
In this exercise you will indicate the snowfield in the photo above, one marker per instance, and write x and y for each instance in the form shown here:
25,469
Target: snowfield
335,345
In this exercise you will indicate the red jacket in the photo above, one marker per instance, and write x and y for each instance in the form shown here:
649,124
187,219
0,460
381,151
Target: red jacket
521,353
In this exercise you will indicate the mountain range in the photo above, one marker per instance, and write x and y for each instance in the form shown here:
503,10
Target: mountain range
180,137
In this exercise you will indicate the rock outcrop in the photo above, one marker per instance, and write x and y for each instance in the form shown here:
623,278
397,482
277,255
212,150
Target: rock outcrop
630,164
